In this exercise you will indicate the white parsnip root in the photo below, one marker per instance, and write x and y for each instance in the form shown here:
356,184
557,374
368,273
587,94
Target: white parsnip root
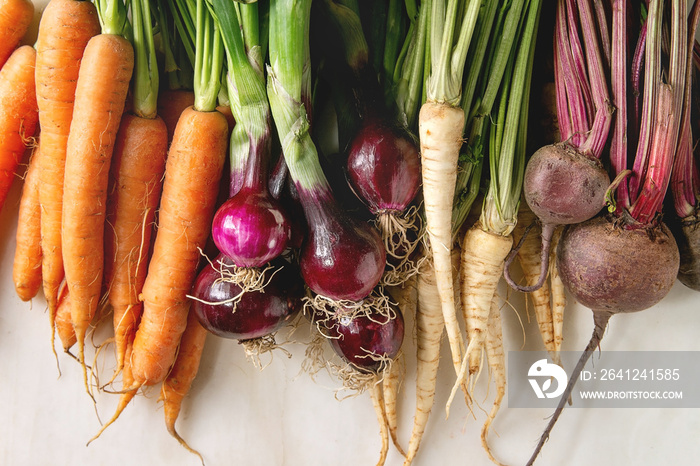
482,255
440,128
377,395
406,297
558,296
429,328
496,358
530,261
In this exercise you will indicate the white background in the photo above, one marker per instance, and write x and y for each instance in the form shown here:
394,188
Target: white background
237,414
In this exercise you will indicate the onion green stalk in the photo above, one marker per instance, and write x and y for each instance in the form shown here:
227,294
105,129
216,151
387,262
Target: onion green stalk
251,137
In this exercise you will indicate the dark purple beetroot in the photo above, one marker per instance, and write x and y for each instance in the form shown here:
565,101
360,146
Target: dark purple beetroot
563,187
257,313
341,258
366,341
610,268
251,228
383,166
688,238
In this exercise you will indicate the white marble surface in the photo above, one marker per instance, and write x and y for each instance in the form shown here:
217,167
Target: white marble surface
236,414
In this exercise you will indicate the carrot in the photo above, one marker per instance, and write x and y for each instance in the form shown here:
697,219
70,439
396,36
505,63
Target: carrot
441,127
192,173
98,109
64,324
135,184
531,264
176,386
64,30
15,17
497,366
377,396
18,113
225,110
26,268
171,104
126,395
190,189
137,170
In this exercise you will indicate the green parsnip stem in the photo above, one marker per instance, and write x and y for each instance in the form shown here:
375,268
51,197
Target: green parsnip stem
441,127
486,245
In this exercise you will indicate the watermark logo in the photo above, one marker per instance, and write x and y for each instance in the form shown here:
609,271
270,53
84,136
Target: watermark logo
542,368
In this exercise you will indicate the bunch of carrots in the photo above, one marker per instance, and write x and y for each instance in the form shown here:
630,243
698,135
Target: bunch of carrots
137,119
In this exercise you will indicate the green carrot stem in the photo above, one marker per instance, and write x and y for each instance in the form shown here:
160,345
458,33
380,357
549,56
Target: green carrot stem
113,16
209,59
146,78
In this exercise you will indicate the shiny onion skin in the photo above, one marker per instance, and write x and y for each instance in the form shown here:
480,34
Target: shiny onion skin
366,341
258,313
341,258
251,228
383,166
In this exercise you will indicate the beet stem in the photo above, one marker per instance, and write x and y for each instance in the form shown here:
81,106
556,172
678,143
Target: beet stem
682,179
618,145
600,321
547,233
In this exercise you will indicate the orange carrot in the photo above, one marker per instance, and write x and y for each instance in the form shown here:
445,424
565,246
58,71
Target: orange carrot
171,104
64,324
64,30
176,386
192,174
15,17
98,109
225,110
125,397
136,181
18,113
26,269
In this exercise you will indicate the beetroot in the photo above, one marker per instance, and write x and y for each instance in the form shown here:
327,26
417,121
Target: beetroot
565,183
612,269
629,261
563,186
257,313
